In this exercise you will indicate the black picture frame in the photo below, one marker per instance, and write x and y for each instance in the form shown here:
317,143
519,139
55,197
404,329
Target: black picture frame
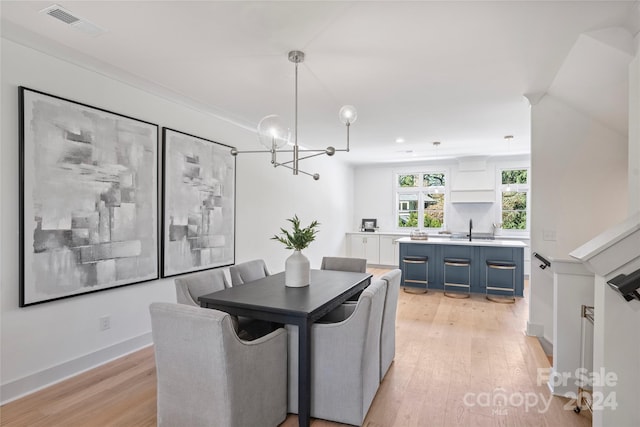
88,198
198,204
369,224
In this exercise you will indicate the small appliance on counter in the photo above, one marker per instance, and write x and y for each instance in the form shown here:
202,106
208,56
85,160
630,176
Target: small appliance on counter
369,224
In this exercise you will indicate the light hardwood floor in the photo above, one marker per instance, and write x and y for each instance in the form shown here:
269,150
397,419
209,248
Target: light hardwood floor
455,359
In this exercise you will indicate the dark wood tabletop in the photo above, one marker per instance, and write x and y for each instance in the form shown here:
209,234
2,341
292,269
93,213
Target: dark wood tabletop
271,298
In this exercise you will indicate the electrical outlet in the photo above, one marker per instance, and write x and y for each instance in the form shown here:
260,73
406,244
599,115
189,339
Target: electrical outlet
549,235
105,323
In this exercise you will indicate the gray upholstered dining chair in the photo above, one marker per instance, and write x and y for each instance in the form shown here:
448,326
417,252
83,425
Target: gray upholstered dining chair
345,372
207,376
248,271
358,265
388,332
194,285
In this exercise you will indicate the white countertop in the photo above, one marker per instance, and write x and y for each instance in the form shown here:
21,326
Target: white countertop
381,233
447,241
433,235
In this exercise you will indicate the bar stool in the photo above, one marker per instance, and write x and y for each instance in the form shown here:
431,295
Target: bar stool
501,265
462,263
409,260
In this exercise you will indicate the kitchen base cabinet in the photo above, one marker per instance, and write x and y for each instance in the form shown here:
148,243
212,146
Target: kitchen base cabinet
389,250
478,253
379,249
361,246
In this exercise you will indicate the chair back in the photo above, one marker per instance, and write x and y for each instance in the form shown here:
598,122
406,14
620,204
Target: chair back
194,285
248,272
357,265
388,332
191,361
346,361
207,376
371,357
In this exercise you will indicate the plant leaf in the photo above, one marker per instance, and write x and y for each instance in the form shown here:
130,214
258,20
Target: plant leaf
299,238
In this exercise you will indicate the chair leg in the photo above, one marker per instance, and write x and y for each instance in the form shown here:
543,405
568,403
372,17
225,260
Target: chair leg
457,295
499,299
414,290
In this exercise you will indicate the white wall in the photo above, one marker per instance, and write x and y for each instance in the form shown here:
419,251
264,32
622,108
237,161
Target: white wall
375,197
615,349
44,343
267,197
579,189
634,129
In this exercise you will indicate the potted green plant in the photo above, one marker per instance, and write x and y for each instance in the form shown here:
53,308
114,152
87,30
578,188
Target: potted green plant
297,268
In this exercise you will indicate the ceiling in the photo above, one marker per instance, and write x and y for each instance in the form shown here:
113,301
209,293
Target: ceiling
425,71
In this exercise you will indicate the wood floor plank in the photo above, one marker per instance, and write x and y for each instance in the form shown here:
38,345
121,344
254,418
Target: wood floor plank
454,358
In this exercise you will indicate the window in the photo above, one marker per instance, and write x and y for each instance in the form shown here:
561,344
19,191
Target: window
514,199
420,195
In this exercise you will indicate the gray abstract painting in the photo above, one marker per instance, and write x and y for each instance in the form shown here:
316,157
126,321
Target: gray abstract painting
199,204
89,190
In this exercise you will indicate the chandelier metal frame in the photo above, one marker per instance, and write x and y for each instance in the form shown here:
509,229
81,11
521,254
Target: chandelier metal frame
347,115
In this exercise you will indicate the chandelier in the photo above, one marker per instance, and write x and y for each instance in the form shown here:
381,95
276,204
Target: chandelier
274,136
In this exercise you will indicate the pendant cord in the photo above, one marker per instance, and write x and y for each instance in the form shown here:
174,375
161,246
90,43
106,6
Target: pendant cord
295,126
295,123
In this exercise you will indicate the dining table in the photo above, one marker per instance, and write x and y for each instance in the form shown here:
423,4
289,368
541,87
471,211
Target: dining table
271,300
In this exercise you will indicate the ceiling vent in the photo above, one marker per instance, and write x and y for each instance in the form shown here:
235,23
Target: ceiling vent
76,22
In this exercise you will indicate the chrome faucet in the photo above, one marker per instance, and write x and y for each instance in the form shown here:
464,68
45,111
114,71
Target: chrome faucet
470,228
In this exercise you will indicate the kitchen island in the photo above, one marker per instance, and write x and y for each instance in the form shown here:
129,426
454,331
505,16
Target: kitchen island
478,251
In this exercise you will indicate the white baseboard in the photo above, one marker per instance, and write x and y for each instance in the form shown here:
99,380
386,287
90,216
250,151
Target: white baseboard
534,329
564,387
31,383
547,346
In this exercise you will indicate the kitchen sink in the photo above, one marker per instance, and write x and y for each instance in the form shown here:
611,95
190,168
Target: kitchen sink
474,236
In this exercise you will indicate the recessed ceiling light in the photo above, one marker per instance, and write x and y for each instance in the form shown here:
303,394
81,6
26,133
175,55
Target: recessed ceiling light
436,143
399,140
508,137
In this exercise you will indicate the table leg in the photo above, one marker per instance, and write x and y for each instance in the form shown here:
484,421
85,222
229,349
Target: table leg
304,374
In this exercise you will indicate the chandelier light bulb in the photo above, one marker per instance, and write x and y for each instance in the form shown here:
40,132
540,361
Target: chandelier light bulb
272,132
348,114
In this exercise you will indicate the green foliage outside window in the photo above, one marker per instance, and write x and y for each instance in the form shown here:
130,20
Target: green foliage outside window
407,180
514,220
432,222
408,221
433,180
515,176
433,210
411,221
514,210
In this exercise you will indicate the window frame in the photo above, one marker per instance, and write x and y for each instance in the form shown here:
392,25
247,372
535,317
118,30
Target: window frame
419,190
514,188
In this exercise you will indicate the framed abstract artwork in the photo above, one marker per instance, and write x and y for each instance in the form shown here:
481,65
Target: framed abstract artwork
88,199
198,212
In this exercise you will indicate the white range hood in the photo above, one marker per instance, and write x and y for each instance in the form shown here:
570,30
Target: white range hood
472,196
474,182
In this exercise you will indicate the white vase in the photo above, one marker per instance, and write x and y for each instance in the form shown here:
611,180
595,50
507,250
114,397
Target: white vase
297,271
